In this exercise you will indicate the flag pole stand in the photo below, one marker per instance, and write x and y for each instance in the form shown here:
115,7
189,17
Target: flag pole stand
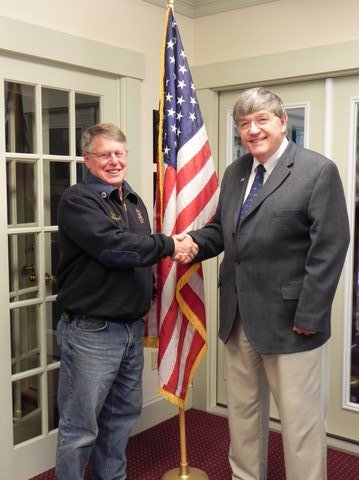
184,472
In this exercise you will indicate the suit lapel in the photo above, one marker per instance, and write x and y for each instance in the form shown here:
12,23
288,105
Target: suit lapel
281,171
241,179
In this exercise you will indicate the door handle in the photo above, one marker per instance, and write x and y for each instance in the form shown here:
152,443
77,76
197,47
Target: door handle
50,279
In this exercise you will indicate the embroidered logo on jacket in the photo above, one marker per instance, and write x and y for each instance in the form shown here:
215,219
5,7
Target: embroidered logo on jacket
139,216
114,217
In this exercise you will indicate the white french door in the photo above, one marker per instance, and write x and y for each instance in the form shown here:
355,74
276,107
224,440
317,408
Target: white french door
321,115
43,111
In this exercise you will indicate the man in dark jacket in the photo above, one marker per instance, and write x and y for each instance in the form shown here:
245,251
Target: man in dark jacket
106,287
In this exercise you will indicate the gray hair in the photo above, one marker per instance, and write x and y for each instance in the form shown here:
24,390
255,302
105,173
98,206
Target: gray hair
107,130
256,99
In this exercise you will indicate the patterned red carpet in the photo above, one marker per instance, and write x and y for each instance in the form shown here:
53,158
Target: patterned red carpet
154,452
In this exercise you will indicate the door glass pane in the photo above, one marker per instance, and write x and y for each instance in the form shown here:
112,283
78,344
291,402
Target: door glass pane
25,349
23,269
26,408
52,260
81,170
55,121
19,118
354,373
52,383
295,125
56,180
53,314
9,194
21,192
53,355
25,192
87,111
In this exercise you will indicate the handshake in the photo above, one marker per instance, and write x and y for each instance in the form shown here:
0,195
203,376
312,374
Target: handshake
185,248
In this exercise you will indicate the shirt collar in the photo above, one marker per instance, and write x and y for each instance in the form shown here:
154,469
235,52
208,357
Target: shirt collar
106,189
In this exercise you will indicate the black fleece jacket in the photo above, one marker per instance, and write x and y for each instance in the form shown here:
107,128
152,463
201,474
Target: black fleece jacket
106,252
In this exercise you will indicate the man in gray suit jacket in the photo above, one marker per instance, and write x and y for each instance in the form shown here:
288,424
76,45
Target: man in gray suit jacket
283,255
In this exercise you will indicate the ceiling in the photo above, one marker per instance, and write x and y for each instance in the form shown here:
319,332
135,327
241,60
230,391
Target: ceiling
201,8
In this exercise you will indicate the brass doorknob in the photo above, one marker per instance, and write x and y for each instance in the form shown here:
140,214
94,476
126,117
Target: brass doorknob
49,279
29,268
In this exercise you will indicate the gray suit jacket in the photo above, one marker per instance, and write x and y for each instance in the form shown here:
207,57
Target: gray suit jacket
281,268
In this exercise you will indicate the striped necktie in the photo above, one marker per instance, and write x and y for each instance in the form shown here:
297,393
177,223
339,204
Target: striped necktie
255,189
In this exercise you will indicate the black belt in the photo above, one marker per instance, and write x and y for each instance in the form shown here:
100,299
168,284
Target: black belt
68,317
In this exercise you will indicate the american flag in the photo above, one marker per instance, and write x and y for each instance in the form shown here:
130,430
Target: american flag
186,198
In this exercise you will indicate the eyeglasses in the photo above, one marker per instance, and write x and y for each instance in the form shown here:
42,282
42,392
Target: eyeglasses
108,155
259,121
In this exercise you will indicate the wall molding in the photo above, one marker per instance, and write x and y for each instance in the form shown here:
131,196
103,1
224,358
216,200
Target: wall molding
323,61
202,8
46,45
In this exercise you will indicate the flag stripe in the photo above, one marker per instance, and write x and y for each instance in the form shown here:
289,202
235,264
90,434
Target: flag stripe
196,163
195,208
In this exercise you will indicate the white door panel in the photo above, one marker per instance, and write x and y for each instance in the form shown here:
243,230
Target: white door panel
343,419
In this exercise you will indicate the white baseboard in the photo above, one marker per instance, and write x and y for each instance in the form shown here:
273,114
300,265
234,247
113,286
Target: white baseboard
156,411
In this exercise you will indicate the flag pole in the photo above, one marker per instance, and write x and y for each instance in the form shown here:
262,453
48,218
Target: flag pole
184,472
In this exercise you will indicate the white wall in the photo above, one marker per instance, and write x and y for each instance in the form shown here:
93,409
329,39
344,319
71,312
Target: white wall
274,27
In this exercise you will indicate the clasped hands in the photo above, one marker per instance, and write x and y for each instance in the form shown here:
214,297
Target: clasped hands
185,248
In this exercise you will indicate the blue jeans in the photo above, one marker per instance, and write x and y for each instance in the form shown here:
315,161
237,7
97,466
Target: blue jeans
99,395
